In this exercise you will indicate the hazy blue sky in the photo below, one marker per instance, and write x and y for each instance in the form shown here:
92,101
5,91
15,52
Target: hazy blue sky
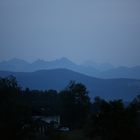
97,30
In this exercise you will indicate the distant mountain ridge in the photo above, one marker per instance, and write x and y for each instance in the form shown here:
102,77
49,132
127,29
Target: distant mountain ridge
104,70
19,65
58,79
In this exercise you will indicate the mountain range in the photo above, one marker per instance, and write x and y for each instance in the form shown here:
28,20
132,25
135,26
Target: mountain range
58,79
89,68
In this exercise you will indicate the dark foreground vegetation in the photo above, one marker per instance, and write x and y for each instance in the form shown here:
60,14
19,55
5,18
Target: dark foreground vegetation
85,119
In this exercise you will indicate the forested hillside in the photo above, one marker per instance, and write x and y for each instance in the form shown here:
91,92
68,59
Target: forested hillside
105,120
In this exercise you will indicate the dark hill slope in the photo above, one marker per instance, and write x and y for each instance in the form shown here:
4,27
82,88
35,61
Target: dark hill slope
58,79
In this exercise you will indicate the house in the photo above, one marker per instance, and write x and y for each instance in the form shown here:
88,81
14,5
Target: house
43,122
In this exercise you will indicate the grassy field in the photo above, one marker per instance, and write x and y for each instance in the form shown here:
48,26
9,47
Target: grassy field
71,135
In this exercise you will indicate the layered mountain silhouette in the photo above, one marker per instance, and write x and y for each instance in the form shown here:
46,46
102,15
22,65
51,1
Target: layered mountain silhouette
104,70
58,79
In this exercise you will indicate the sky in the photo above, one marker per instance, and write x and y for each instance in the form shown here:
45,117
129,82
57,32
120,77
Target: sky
96,30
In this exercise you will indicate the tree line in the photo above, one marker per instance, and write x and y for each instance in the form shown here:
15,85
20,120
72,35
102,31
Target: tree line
100,119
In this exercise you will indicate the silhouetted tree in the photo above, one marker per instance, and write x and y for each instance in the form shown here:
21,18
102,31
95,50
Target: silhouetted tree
13,116
112,121
75,104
